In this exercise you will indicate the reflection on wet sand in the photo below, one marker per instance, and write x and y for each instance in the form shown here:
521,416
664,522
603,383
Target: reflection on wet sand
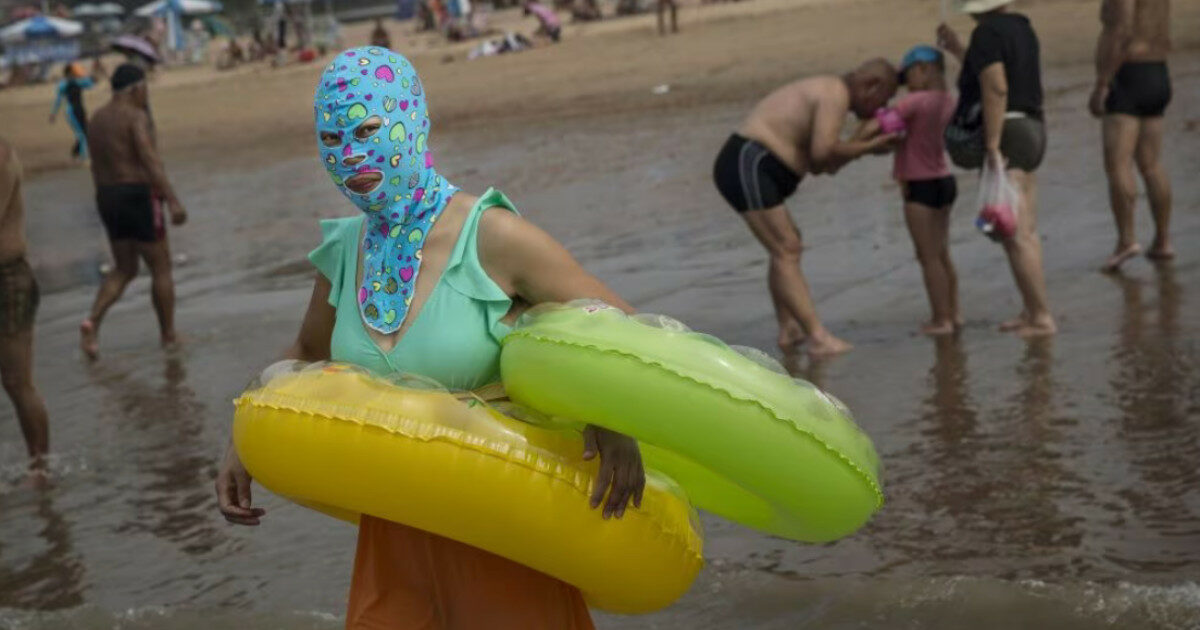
171,500
1154,387
52,578
990,483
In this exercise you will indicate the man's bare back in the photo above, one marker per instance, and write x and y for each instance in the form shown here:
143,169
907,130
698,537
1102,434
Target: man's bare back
12,208
1151,36
783,121
113,137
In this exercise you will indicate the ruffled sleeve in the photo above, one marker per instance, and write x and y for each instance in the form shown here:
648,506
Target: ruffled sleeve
466,275
330,256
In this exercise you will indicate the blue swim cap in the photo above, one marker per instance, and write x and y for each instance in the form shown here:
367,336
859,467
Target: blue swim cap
919,54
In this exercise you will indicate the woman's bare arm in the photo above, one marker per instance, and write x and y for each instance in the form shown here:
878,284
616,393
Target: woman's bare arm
531,265
312,344
994,86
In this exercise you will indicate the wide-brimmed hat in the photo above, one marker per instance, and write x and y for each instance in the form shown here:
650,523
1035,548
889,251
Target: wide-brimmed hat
980,6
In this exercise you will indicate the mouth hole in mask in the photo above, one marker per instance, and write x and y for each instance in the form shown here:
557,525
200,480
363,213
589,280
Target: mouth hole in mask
368,128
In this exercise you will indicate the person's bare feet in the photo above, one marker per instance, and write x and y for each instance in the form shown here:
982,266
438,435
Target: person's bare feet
170,342
1160,252
935,329
88,342
1039,326
790,338
827,345
1119,257
39,474
1014,323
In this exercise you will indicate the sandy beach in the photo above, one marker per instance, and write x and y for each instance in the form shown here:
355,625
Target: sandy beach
1050,484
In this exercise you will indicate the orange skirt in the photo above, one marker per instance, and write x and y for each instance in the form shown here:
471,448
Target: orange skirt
408,579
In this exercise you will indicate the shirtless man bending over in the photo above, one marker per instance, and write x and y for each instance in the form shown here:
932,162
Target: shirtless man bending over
794,131
18,306
1132,91
130,179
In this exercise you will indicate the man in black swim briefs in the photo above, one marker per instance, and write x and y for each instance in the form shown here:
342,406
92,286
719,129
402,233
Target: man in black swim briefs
1132,91
130,183
794,131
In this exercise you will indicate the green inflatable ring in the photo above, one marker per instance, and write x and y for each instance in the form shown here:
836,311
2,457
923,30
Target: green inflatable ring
745,440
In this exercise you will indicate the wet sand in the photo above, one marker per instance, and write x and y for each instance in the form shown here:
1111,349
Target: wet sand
1045,484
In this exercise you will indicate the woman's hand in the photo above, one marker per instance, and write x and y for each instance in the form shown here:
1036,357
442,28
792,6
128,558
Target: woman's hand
948,40
621,474
996,161
233,491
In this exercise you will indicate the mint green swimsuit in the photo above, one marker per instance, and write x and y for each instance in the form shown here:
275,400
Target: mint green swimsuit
455,338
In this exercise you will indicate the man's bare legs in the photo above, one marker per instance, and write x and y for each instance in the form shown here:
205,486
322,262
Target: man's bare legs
1148,156
1120,133
929,228
162,290
775,230
16,372
1024,251
663,7
791,334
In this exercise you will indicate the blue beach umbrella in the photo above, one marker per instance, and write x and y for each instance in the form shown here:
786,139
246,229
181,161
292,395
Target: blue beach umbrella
40,27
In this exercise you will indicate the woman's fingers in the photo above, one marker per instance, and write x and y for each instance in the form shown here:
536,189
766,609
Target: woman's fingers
618,495
243,490
603,479
590,445
640,487
233,499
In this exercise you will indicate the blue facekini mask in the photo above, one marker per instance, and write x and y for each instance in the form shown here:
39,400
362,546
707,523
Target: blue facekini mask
373,133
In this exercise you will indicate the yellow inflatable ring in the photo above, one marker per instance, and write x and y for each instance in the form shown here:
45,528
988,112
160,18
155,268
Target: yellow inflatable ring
341,441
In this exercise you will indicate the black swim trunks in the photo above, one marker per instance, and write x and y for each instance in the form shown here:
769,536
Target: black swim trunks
750,177
130,212
19,297
1141,89
935,193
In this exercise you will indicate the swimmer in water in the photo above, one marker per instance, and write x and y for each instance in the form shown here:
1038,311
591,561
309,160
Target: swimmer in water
792,132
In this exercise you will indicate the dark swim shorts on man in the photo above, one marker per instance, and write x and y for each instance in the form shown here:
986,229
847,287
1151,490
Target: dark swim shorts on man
750,177
1141,89
130,213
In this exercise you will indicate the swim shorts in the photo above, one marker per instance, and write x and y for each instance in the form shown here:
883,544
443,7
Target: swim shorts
935,193
130,212
1141,89
750,177
19,297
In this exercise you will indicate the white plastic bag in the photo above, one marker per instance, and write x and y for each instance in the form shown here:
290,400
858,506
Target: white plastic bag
999,204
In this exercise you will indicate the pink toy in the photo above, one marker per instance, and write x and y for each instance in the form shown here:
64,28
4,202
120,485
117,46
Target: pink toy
890,120
997,221
999,203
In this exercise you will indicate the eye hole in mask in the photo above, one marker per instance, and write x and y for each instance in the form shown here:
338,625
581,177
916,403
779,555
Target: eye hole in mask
331,139
368,128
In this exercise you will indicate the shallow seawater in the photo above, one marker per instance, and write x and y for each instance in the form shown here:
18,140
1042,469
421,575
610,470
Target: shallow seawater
1050,484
